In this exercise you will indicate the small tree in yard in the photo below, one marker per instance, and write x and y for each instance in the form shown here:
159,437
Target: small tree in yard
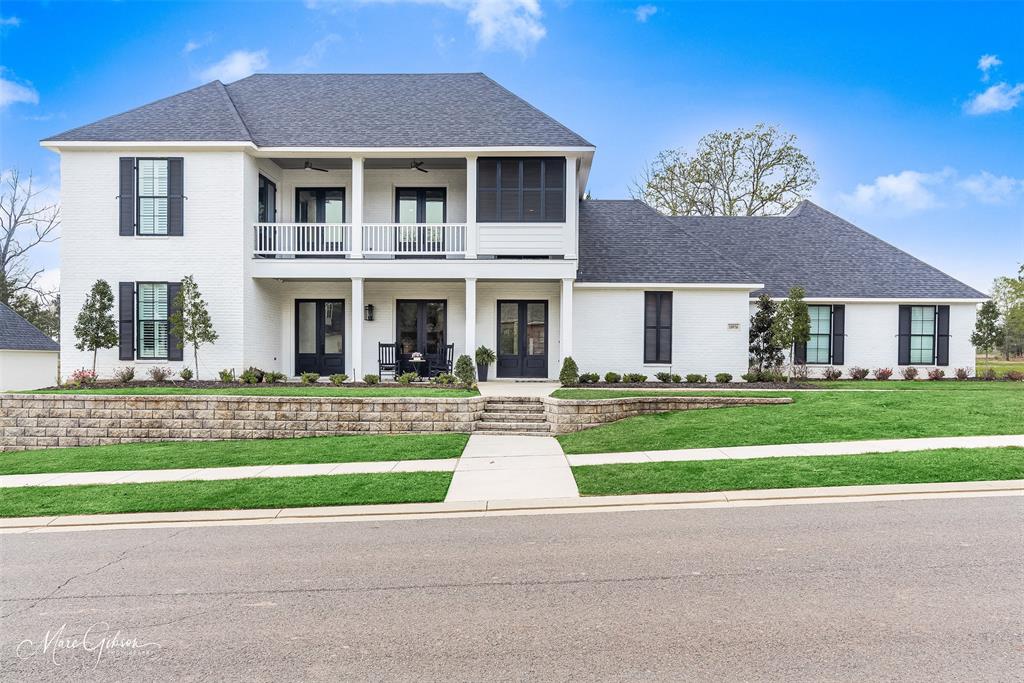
464,371
95,327
765,351
570,374
987,330
190,322
792,324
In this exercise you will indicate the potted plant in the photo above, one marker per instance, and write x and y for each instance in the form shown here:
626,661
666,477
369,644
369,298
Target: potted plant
484,358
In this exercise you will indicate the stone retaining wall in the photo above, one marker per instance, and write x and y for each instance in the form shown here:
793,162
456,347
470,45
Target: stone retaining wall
565,415
57,420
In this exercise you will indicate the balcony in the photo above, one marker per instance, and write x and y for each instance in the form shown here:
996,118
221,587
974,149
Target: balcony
334,240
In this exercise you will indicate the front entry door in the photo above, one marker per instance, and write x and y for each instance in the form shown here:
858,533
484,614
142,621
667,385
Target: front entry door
522,339
320,336
421,326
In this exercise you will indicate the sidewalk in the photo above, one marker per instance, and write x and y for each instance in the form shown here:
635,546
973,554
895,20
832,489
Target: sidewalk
798,449
512,468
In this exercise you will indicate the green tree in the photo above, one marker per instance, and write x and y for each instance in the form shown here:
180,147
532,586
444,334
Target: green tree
765,351
755,172
190,322
987,329
1008,295
43,311
792,324
95,327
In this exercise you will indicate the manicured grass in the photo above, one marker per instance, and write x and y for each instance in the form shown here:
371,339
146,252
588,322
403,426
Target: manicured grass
815,417
842,385
188,454
1000,365
235,494
952,464
296,390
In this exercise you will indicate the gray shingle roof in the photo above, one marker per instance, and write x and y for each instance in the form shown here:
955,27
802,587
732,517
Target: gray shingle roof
18,334
826,255
341,110
624,240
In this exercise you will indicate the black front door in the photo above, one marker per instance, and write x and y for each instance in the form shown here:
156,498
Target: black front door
421,326
320,336
522,339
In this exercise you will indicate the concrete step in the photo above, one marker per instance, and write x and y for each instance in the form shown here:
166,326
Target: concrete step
495,416
512,427
517,407
513,399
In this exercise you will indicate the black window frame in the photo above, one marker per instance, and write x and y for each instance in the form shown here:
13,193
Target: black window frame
139,320
828,335
139,197
934,335
656,326
543,189
321,203
421,204
261,200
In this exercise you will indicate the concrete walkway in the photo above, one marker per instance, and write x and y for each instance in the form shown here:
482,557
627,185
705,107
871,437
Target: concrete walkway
502,387
212,473
512,468
797,449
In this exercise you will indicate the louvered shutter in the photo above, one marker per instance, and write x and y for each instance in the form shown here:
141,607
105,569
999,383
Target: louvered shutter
126,197
838,335
174,350
942,335
126,320
800,353
904,336
175,196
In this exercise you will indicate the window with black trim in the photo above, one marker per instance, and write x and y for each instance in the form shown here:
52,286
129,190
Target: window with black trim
657,327
922,334
267,198
151,209
152,316
520,190
819,345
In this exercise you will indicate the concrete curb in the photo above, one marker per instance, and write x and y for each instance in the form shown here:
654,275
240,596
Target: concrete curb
661,501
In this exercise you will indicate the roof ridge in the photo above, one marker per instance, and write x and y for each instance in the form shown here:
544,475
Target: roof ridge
363,73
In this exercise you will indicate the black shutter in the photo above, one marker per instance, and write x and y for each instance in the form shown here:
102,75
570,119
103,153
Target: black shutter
838,334
174,350
126,320
800,353
904,336
126,197
175,196
942,336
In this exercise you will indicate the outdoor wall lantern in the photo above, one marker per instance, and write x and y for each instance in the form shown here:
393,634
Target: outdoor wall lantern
368,312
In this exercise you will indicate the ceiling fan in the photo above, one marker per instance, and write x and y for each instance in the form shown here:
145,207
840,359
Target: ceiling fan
308,166
418,165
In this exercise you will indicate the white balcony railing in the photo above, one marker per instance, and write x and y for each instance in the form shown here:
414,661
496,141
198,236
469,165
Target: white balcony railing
414,240
302,239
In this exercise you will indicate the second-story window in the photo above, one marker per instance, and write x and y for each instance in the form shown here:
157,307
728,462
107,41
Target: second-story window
152,184
521,190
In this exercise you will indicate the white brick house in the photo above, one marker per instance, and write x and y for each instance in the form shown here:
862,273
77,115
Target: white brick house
320,221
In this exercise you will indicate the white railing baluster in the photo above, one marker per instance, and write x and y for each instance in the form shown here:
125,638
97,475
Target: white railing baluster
335,239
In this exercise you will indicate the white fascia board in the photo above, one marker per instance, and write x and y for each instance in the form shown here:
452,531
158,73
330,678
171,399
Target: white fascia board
417,151
671,285
878,300
410,269
58,145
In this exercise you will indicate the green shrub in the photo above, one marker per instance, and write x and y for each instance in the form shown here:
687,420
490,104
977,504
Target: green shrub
227,375
310,377
186,374
634,377
612,377
936,374
158,373
371,379
444,379
125,374
665,377
338,379
723,378
252,375
962,373
408,377
696,379
589,377
273,377
465,372
485,356
570,374
989,374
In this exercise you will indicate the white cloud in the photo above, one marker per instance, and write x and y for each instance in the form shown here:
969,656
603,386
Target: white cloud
10,21
987,62
191,46
499,24
645,12
12,92
988,188
914,191
238,64
316,51
999,97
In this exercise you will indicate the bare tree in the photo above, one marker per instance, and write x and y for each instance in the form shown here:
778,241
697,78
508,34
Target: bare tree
756,172
25,223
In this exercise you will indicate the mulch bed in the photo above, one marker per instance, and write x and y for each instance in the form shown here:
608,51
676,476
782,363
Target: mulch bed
696,385
209,384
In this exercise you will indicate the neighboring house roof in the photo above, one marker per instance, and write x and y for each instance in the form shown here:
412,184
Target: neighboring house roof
826,255
340,110
18,334
624,240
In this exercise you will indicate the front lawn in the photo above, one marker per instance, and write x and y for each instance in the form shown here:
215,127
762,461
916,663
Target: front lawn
189,454
234,494
918,467
271,390
991,408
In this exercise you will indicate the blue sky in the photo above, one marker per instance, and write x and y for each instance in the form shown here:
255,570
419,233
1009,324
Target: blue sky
913,113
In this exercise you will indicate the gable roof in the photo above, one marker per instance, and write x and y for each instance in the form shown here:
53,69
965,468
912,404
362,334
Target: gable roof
18,334
340,110
624,240
826,255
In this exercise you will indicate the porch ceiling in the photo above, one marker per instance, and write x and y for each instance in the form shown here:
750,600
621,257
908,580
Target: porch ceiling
345,163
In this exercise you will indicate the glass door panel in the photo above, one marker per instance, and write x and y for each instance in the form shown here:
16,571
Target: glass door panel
407,326
307,326
320,336
508,331
421,326
522,339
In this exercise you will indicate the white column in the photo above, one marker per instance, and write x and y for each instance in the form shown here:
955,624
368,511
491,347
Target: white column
471,230
357,209
565,320
471,316
357,329
571,206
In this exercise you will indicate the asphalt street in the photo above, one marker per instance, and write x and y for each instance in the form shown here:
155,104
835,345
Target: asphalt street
918,590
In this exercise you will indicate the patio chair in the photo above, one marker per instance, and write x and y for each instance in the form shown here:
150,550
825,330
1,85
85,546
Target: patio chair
443,365
387,360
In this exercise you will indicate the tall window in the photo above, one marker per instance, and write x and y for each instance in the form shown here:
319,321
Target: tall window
267,197
658,327
818,346
152,317
922,334
521,190
152,207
